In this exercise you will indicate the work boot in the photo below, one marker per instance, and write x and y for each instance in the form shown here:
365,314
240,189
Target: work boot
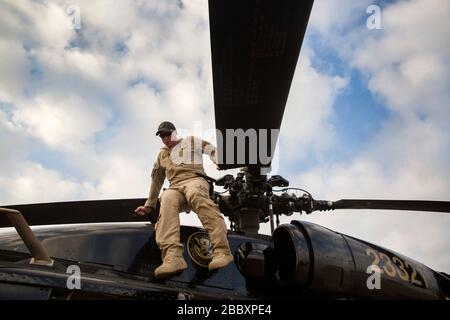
170,266
220,260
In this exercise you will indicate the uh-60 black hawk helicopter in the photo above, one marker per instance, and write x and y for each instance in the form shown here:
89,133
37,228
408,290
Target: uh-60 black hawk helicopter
255,46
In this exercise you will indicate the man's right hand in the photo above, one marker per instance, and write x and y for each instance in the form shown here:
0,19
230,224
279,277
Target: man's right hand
142,211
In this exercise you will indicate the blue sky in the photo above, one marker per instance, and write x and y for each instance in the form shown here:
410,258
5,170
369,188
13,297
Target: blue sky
367,115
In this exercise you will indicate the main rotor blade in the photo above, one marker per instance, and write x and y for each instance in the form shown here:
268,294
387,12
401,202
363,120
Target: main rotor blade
255,46
93,211
414,205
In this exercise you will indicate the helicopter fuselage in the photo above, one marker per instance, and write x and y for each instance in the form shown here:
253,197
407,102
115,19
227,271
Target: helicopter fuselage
301,261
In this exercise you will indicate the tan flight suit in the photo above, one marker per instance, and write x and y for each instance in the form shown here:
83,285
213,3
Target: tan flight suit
179,165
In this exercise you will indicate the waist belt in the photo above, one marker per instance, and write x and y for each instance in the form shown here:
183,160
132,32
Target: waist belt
209,180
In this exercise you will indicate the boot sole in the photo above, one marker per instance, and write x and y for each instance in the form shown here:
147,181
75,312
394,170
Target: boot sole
220,267
168,274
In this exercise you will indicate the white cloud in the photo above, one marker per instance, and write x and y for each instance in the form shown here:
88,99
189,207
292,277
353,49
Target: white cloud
61,122
408,62
33,183
13,145
331,18
35,23
13,69
309,106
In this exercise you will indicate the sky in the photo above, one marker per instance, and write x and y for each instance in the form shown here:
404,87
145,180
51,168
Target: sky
367,114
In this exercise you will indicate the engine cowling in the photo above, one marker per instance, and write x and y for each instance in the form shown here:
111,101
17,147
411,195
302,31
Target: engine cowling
318,260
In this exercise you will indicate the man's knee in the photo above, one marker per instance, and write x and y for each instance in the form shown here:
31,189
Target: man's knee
206,209
172,200
198,201
169,195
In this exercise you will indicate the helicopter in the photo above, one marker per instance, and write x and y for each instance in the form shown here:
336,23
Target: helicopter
98,250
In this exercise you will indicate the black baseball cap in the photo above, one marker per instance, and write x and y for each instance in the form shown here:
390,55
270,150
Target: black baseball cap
165,127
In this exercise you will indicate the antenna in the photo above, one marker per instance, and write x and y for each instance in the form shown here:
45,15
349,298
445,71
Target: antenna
38,253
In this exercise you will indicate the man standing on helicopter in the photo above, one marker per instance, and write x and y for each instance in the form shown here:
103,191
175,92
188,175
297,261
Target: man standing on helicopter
180,161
